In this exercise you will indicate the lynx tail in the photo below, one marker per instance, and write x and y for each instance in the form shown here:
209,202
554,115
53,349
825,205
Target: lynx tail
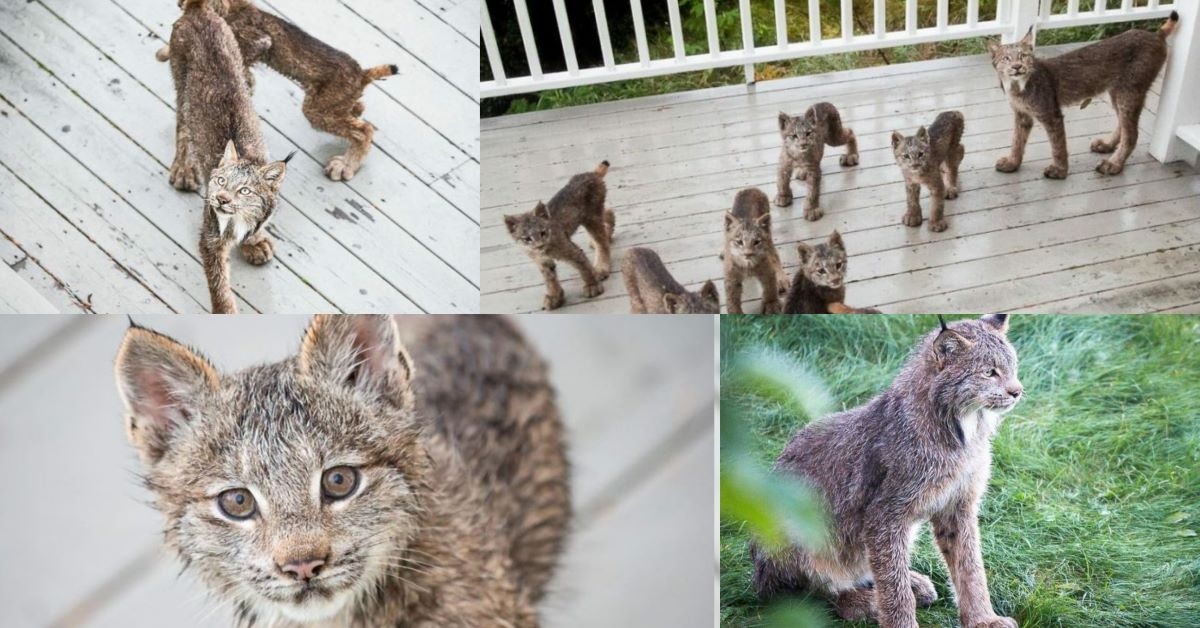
602,169
1166,29
379,72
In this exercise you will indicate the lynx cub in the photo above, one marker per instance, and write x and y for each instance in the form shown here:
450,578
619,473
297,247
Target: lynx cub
652,289
749,251
931,158
819,285
357,484
1124,66
919,451
804,141
545,233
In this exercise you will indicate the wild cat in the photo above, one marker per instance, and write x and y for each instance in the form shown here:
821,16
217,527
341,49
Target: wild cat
930,158
919,451
804,140
750,251
218,140
332,80
1124,66
819,285
652,289
358,483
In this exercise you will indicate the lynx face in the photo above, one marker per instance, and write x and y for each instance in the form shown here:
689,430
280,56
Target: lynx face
748,240
288,488
825,263
799,134
915,152
706,301
533,230
1013,62
977,367
240,189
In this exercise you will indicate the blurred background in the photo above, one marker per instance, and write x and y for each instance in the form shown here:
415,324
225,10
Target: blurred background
81,547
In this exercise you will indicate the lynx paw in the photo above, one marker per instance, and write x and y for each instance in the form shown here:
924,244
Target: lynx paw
911,220
1108,166
602,273
258,252
994,621
783,200
938,226
163,54
781,285
813,213
771,307
593,290
1055,172
951,192
553,301
850,159
183,176
1101,146
1007,164
923,589
340,169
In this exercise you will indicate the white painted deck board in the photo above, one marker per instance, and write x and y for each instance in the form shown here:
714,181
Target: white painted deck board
678,160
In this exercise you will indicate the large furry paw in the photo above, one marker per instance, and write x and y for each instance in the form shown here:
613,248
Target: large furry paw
340,169
1054,171
813,213
783,200
951,192
1100,145
1108,166
184,176
995,621
911,220
938,226
163,54
258,252
554,300
923,590
772,307
782,284
593,290
1007,164
850,159
602,272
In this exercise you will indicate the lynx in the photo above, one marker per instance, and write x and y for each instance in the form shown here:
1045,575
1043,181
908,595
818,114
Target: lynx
332,80
652,289
1124,66
931,158
545,234
804,141
918,451
750,252
357,484
819,285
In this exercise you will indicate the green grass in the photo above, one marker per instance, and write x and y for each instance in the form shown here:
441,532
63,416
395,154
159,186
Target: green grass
1093,509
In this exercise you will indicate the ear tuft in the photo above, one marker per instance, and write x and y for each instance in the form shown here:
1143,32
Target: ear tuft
361,354
161,383
273,173
998,322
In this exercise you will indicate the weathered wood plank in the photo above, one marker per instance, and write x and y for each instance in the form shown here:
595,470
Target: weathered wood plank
18,297
33,274
462,15
1149,296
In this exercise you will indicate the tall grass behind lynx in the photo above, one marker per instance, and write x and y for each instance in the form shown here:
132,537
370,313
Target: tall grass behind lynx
1092,514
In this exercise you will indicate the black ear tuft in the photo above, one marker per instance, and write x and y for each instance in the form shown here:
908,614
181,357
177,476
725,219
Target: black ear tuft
998,322
943,322
289,157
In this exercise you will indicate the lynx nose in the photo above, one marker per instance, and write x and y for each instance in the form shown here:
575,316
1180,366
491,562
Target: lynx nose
1015,390
223,197
305,569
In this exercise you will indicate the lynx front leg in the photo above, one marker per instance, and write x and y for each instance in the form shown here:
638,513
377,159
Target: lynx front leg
888,554
783,181
912,196
554,298
258,248
767,278
812,203
214,257
1022,125
956,530
937,203
1056,132
733,291
577,258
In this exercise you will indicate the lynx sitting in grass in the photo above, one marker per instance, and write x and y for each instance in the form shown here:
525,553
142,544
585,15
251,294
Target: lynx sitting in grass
919,451
357,484
750,252
545,234
1123,66
819,285
931,158
804,141
652,289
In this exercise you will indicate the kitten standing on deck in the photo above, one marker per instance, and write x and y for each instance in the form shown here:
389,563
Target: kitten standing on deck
804,141
358,484
545,234
1124,66
218,139
332,80
750,252
652,289
931,158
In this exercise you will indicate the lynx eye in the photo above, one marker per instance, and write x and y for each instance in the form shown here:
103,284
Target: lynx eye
756,242
543,233
339,482
244,191
220,180
237,503
993,373
841,265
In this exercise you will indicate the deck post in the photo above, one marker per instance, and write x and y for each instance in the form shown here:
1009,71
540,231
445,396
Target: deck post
1024,16
1177,106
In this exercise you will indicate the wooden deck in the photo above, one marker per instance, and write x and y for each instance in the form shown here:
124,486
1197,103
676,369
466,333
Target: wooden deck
84,549
89,222
1090,243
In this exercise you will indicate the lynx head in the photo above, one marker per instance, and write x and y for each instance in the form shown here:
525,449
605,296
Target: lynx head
533,230
913,153
240,188
972,367
706,301
825,263
292,489
799,133
747,238
1013,62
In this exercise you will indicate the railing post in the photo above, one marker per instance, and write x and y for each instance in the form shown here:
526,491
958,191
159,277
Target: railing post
1023,16
1177,105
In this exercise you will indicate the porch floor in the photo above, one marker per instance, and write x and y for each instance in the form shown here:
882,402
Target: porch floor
1016,242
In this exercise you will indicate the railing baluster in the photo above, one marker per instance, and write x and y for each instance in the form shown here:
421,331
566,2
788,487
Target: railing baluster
814,22
564,35
1126,5
910,16
847,20
639,30
1153,4
747,26
676,29
781,33
1073,7
531,53
1044,11
943,14
710,25
881,19
1101,6
489,42
973,13
602,30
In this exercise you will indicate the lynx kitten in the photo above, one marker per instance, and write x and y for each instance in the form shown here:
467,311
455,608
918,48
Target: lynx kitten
804,141
750,252
931,158
819,285
652,289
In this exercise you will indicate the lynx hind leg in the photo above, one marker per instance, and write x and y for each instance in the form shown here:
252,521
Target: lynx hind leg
1103,146
950,170
336,114
923,589
1129,109
855,604
601,240
610,224
780,573
838,135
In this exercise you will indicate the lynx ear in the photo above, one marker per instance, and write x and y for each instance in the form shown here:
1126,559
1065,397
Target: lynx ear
810,115
805,250
1027,40
998,322
922,134
783,120
511,223
161,383
835,240
541,211
764,221
993,47
273,172
230,157
671,302
896,139
709,293
361,354
948,343
729,218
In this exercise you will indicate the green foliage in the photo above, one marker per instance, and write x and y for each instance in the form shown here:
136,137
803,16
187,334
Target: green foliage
1092,513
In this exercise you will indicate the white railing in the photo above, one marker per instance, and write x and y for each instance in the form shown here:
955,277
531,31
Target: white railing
1012,19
